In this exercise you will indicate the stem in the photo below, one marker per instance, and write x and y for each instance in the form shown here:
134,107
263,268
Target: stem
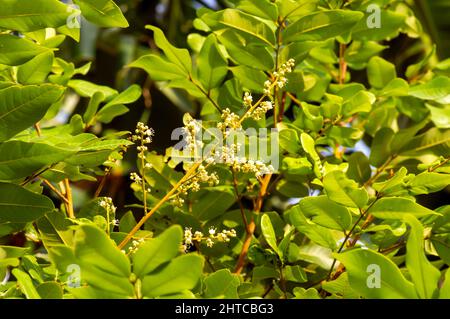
55,190
102,183
206,94
379,171
70,212
38,129
342,63
432,169
252,226
158,205
239,200
352,243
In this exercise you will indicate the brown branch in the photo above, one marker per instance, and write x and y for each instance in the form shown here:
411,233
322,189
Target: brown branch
252,225
55,190
342,64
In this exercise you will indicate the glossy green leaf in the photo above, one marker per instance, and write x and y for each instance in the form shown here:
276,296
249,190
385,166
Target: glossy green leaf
344,191
222,284
158,68
380,72
177,56
155,252
50,290
263,9
36,70
375,276
359,167
397,208
104,13
27,16
321,25
326,213
182,273
212,66
88,89
19,205
423,274
246,24
309,147
438,89
19,159
21,107
25,284
16,51
255,56
318,234
268,232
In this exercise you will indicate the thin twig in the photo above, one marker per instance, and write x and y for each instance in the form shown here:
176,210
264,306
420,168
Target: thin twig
69,198
55,190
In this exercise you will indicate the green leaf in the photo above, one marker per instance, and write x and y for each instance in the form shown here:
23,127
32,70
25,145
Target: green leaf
390,24
295,274
88,89
359,167
428,182
344,191
358,103
310,148
248,54
92,107
380,72
423,274
296,165
19,159
182,273
396,87
396,208
444,292
222,284
212,66
381,147
103,265
25,284
104,13
155,252
36,70
247,25
127,222
159,68
318,234
437,90
263,9
24,16
115,107
19,205
94,249
321,25
269,233
250,79
434,141
50,290
177,56
21,107
212,202
440,116
16,51
326,213
375,276
289,140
